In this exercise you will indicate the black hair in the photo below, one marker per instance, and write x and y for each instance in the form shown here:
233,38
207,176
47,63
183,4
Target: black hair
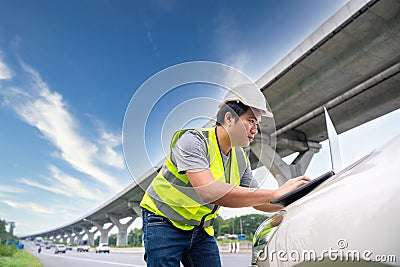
236,108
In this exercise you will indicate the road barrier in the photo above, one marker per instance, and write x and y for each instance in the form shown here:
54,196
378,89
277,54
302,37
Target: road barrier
235,247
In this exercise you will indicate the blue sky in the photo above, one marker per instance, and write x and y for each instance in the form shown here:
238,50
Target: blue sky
68,70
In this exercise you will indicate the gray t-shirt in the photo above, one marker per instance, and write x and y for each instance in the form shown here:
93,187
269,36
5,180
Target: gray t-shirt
190,152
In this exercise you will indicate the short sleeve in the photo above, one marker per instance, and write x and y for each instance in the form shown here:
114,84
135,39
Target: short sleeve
190,152
247,179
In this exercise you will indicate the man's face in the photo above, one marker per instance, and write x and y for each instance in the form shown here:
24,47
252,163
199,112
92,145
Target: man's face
243,131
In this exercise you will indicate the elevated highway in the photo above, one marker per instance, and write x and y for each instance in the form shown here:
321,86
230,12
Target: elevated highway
350,64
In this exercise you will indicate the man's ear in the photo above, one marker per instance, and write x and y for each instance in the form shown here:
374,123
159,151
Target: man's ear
228,118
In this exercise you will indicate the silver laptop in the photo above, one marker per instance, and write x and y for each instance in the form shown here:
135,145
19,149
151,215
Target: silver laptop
336,166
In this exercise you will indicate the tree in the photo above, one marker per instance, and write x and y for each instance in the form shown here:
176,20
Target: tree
249,224
218,222
135,237
96,241
3,232
224,229
112,240
4,235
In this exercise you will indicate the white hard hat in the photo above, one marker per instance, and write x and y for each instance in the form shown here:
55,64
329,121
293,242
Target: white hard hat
250,95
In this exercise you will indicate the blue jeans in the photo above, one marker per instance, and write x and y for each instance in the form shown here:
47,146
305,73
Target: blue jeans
166,245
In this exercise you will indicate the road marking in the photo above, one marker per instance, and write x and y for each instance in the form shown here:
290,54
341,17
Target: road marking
98,261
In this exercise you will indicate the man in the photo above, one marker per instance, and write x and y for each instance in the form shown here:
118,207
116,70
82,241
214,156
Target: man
206,168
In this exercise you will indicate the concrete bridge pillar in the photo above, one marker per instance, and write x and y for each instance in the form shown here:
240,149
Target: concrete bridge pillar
79,236
60,238
64,237
73,238
103,232
73,235
122,236
90,236
282,171
135,206
68,237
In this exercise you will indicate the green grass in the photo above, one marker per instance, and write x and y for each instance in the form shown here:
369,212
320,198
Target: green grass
7,251
21,258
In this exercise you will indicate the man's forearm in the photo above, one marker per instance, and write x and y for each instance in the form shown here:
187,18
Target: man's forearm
227,195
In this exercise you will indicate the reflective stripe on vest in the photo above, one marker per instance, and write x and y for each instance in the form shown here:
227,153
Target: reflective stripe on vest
176,199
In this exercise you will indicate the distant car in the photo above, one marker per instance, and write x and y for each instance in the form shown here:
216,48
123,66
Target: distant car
49,245
103,247
60,249
242,237
350,218
232,236
83,247
68,247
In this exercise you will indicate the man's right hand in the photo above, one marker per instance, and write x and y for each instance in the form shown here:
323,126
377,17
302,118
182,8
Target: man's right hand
291,185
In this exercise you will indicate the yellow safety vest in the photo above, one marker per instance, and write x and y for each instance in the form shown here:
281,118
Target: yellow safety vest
172,196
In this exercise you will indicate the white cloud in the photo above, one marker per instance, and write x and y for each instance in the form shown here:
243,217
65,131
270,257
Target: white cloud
5,72
10,203
107,144
150,38
7,190
229,46
61,183
30,207
10,189
46,110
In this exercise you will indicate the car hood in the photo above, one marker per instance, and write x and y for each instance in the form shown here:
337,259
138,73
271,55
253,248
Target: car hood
358,205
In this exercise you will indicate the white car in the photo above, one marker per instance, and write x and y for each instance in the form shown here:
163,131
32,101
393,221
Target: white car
60,249
351,218
103,247
83,247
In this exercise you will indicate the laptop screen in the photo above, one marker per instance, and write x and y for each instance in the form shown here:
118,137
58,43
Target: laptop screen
334,150
336,166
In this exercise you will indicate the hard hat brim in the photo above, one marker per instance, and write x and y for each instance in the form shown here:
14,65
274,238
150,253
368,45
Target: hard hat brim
264,112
